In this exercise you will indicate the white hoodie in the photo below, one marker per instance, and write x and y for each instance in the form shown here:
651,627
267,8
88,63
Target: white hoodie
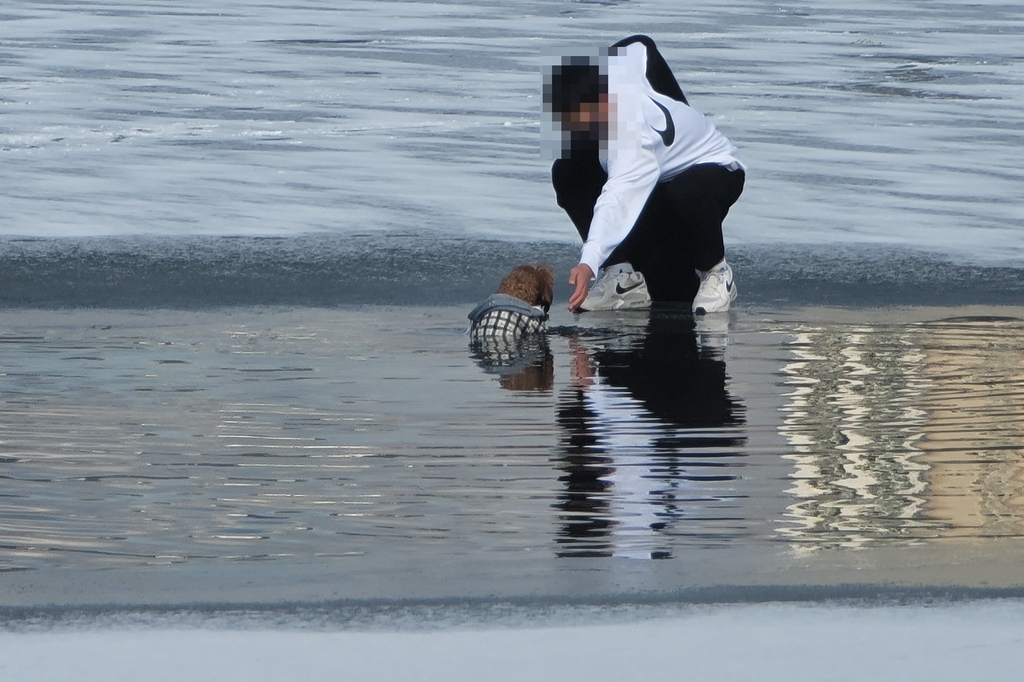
652,138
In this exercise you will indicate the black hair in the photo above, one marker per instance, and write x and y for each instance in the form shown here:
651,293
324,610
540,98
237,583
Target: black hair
577,80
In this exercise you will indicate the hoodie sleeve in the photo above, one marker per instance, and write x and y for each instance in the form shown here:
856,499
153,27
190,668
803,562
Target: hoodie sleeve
629,185
632,163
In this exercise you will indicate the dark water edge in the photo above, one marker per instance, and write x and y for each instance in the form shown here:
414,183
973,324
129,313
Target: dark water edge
429,615
198,273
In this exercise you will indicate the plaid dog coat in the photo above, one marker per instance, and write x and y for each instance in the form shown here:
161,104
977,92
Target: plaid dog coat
505,317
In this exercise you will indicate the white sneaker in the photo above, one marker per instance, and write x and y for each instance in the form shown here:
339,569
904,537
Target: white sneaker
619,286
717,290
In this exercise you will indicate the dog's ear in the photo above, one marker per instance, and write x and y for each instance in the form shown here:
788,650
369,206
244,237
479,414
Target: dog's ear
546,282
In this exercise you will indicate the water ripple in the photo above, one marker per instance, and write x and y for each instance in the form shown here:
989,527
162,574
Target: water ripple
287,435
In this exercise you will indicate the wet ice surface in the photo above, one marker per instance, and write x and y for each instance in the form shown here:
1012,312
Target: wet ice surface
300,454
321,270
871,123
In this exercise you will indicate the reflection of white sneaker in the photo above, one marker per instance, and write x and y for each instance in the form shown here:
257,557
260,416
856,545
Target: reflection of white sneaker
712,332
717,290
619,286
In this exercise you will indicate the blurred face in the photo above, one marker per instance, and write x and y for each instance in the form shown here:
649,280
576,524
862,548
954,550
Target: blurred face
587,117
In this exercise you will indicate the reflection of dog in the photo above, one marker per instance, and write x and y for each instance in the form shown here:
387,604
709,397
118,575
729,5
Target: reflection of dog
538,375
519,306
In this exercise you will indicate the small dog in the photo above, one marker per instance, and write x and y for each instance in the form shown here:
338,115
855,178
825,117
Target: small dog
530,283
519,306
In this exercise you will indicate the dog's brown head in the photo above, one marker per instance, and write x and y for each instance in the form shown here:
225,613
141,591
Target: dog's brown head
530,283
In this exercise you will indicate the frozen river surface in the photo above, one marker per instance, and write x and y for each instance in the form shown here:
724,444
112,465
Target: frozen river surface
196,419
866,123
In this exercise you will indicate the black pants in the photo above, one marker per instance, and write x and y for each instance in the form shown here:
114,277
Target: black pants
679,230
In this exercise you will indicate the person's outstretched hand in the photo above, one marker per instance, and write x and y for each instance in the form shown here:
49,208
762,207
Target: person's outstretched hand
579,279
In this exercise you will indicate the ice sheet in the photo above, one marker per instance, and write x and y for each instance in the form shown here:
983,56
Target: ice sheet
772,642
873,123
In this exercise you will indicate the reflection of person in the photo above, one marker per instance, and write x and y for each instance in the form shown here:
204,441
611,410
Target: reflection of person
646,180
649,434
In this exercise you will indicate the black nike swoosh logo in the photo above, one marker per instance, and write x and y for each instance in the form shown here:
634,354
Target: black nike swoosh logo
619,290
668,135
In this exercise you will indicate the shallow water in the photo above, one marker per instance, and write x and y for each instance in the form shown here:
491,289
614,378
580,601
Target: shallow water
873,123
291,436
905,431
